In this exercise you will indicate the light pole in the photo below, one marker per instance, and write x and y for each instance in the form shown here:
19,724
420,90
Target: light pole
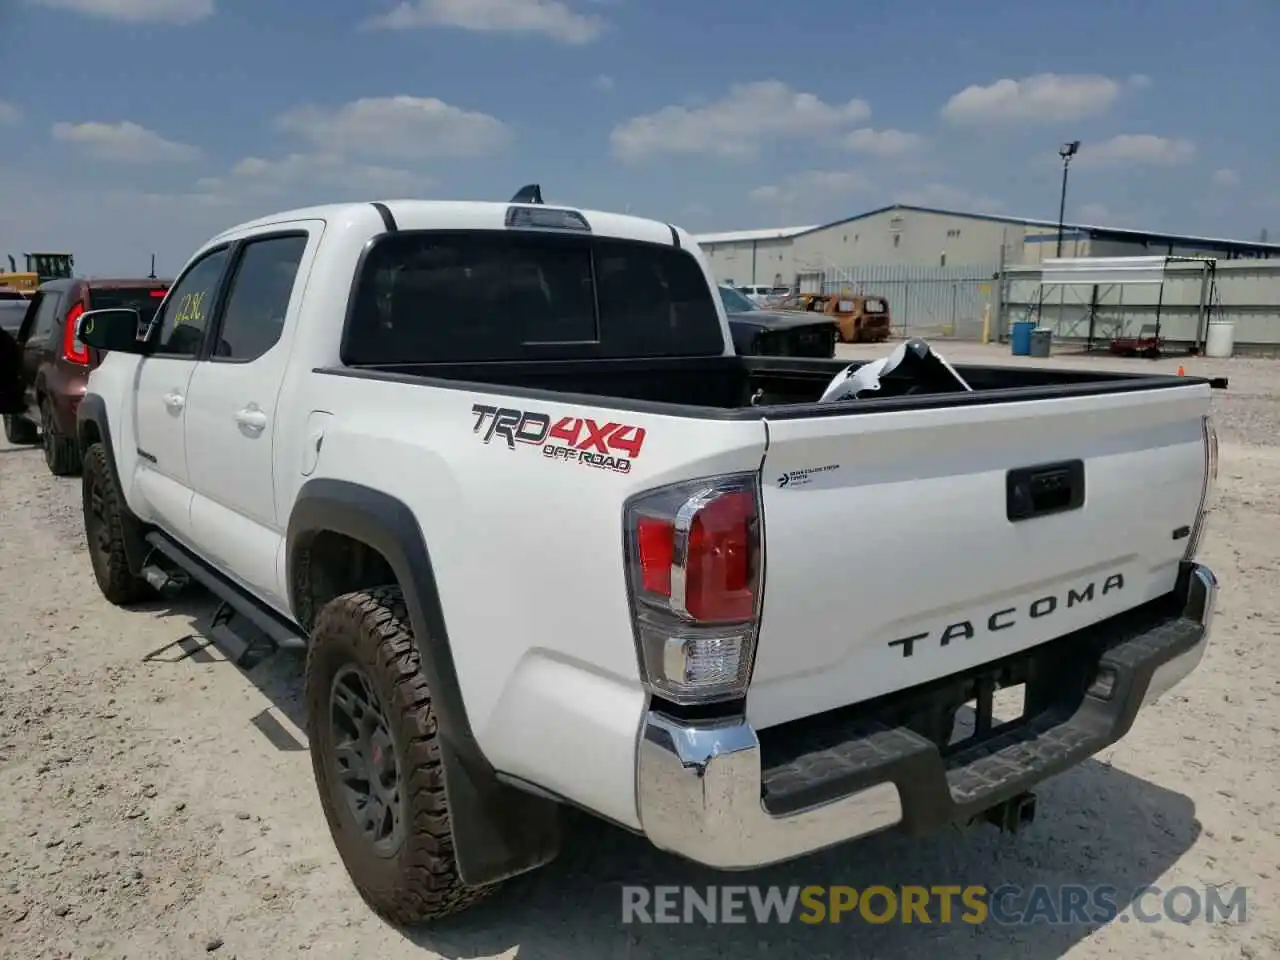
1066,152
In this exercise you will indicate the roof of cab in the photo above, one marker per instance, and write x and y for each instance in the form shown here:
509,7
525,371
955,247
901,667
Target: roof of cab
462,214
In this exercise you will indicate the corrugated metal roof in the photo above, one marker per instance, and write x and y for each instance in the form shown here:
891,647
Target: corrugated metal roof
743,236
1183,239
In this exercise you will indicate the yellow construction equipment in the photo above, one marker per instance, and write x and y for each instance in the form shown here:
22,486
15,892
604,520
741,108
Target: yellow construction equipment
41,267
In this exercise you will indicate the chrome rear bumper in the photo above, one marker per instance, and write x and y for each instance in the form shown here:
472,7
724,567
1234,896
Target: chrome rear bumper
701,787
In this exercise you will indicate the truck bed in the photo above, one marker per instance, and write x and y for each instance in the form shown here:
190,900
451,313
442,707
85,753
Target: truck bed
724,387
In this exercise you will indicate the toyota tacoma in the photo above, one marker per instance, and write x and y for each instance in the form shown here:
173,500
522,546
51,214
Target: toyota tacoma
548,540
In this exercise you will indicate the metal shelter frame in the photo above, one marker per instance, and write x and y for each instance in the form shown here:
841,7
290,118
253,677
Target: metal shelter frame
1128,271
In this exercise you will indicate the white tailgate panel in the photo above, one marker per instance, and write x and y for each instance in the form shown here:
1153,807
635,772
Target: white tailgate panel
902,530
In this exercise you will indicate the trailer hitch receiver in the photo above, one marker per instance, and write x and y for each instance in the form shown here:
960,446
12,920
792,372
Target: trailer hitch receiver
1014,814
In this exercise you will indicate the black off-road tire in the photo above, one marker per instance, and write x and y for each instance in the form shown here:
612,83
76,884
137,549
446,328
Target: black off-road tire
104,531
417,880
61,454
20,430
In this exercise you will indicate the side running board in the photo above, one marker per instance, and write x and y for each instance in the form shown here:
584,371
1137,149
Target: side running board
235,601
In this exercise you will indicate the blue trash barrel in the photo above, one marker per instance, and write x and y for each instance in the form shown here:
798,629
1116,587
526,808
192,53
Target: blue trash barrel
1020,337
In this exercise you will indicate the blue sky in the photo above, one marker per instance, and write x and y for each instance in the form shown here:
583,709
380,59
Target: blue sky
133,126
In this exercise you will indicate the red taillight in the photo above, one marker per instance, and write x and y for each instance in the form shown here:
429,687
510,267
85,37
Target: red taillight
656,540
718,565
695,564
717,535
73,350
159,294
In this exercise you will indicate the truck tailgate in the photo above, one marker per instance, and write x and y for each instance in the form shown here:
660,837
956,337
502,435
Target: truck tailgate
891,559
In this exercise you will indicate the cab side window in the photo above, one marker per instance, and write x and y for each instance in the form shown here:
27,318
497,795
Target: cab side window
258,301
186,312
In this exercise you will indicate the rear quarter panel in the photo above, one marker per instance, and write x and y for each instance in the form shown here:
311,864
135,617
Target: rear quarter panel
527,547
527,551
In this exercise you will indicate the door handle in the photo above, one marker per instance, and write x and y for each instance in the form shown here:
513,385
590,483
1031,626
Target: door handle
252,419
174,401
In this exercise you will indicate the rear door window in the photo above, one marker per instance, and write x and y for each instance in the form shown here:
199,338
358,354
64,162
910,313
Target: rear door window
46,316
490,296
258,301
146,300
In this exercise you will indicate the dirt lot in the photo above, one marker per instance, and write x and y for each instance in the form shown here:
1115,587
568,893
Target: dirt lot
156,802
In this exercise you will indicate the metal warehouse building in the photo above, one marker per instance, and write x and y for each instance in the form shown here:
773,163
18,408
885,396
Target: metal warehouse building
911,236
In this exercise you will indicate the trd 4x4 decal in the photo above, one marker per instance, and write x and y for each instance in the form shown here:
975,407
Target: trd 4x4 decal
609,446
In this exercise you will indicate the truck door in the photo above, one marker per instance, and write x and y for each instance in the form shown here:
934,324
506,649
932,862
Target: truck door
162,477
231,419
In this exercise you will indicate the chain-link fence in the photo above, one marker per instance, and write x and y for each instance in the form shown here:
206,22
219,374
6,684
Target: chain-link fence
929,302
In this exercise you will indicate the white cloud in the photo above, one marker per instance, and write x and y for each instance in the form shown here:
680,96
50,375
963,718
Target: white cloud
112,232
948,197
603,82
402,127
176,12
123,142
9,113
1136,149
1045,97
735,125
811,186
550,18
258,176
1226,177
882,143
114,228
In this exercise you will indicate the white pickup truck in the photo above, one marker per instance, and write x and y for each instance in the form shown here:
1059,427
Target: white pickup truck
547,540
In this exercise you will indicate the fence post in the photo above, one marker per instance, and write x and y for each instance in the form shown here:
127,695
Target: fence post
1000,291
906,305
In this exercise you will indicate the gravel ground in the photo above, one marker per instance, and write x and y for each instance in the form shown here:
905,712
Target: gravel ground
156,802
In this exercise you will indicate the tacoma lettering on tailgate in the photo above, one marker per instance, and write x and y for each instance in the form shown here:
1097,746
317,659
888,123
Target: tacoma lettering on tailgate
1007,617
608,446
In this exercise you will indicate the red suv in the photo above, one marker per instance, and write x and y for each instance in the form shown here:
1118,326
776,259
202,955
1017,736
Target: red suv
56,365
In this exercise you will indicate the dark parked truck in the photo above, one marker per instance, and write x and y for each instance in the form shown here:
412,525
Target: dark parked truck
547,540
775,333
13,307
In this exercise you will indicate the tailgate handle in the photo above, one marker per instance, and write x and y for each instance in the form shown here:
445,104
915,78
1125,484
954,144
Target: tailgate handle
1044,489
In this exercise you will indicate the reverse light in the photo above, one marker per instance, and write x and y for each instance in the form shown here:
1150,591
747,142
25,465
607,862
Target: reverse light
695,574
1207,486
73,349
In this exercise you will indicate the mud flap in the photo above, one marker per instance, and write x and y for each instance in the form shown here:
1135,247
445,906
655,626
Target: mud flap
11,385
